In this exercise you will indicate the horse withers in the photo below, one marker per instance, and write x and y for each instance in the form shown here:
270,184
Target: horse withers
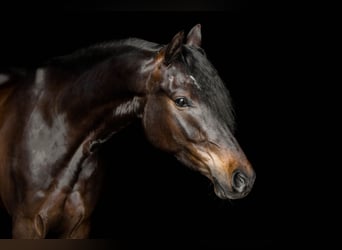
55,120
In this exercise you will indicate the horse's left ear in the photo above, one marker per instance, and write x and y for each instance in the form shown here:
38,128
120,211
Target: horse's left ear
173,48
194,37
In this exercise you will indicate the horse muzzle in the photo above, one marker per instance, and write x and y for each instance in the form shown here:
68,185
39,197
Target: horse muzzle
236,187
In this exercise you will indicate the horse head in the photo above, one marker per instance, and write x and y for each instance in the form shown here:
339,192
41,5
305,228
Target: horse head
188,113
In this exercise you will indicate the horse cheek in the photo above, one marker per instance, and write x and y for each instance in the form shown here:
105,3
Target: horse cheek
157,124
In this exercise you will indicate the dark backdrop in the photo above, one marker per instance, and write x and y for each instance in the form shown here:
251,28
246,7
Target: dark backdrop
149,196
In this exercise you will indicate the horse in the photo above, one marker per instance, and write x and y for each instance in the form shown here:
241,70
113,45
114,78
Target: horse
57,117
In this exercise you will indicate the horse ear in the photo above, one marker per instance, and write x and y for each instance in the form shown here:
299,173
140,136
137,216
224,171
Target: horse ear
173,48
194,37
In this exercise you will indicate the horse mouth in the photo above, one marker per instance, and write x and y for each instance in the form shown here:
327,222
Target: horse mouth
219,190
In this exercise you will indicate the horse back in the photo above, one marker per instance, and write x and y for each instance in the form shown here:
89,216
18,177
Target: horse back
9,82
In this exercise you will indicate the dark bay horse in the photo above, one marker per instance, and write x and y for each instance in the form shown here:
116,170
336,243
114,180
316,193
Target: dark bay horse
54,121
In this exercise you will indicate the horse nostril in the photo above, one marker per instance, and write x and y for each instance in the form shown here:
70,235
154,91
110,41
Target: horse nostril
239,181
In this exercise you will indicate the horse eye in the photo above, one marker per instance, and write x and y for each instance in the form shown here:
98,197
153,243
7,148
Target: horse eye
182,102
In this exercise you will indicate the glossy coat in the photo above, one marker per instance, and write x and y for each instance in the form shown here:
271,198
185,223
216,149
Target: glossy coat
56,118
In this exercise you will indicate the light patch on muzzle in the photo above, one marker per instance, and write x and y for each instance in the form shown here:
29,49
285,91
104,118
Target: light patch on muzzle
231,174
212,162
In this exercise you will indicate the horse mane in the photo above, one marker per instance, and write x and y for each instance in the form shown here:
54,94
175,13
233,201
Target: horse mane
89,56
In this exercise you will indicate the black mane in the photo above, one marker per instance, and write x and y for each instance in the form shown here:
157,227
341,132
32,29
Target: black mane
86,57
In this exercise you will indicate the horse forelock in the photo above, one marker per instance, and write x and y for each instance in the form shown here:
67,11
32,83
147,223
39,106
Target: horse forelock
210,87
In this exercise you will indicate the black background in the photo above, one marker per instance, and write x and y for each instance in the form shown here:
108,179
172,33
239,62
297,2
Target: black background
149,196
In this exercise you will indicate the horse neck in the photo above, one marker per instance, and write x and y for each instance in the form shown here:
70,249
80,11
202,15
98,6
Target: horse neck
111,92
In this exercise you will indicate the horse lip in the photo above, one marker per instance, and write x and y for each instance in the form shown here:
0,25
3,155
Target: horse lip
219,190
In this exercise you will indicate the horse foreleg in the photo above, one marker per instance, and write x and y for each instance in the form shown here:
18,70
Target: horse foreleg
80,203
24,227
76,223
81,231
